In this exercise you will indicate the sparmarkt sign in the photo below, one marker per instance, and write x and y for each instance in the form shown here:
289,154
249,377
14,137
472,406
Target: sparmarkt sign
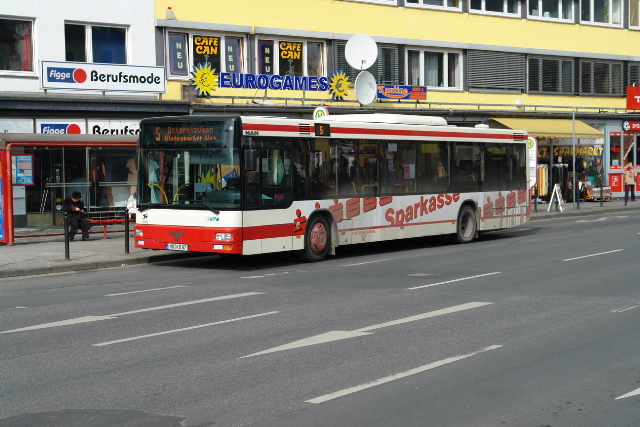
102,77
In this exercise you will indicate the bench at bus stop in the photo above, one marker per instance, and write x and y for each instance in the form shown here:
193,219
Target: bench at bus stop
106,218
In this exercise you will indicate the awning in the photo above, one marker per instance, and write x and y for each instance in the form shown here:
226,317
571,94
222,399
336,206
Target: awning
552,128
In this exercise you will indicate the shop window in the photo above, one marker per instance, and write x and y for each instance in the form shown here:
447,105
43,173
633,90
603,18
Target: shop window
112,177
434,69
16,45
598,77
94,43
553,75
495,6
290,57
454,4
551,9
629,148
601,11
186,50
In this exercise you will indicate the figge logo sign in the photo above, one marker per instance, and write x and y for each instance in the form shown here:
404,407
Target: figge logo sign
66,75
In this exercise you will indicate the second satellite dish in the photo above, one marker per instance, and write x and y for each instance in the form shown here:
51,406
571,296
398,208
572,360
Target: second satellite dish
366,88
361,51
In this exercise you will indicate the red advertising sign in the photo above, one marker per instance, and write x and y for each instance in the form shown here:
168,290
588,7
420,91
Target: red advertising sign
631,126
633,97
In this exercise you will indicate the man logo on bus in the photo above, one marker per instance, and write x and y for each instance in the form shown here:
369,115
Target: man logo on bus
60,128
66,75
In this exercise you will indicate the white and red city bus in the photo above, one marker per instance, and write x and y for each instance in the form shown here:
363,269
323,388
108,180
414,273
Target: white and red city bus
255,185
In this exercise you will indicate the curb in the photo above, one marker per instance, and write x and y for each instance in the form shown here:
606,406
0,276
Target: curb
65,267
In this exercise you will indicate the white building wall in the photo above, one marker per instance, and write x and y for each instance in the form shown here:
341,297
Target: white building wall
48,32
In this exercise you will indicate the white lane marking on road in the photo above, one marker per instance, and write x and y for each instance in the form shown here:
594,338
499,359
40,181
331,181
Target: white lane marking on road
340,335
435,313
181,304
13,308
318,339
631,393
591,255
251,277
601,219
625,309
145,290
394,377
363,263
454,280
67,322
183,329
86,319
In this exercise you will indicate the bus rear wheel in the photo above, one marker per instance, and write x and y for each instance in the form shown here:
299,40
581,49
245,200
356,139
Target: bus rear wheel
466,227
317,240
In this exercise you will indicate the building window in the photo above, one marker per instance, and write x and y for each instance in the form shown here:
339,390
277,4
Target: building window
434,69
16,45
496,71
497,6
186,50
634,74
386,69
290,57
602,78
551,9
454,4
634,8
552,75
94,43
387,2
601,11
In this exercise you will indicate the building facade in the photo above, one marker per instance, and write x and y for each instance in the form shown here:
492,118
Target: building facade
559,69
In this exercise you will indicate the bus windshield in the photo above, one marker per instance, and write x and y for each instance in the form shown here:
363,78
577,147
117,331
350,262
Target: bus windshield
188,164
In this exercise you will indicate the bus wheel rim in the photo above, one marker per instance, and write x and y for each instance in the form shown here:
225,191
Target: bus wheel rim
318,238
465,227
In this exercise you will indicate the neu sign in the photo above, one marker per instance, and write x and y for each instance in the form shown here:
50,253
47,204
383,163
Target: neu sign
102,77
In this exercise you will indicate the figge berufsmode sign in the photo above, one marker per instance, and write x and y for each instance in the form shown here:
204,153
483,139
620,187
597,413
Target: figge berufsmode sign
102,77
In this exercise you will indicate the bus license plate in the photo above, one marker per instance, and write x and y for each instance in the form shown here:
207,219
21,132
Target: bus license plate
177,247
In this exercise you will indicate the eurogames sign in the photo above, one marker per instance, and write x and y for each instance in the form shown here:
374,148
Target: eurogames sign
206,79
102,77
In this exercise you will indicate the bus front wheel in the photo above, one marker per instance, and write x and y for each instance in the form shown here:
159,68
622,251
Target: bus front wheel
317,240
466,227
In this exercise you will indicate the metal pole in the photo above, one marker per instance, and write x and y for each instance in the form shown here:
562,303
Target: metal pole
535,201
573,175
601,189
126,231
66,236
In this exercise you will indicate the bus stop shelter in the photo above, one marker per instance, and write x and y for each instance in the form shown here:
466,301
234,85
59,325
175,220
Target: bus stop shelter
13,173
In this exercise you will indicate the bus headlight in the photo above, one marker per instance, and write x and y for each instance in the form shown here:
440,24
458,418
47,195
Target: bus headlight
139,232
224,236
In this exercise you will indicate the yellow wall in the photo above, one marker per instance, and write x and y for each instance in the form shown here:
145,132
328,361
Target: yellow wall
344,17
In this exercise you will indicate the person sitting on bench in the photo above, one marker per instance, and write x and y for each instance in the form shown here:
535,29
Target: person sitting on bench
75,216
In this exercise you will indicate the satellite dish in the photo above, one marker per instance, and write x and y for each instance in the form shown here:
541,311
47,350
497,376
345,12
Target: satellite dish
366,88
361,51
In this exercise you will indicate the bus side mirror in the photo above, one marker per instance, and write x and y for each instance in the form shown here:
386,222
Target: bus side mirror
251,160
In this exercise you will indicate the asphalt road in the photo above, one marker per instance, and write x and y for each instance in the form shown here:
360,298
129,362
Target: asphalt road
535,326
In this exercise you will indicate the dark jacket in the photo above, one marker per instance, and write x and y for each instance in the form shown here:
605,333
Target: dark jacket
68,204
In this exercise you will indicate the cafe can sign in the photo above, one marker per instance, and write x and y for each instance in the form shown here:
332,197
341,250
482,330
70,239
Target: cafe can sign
102,77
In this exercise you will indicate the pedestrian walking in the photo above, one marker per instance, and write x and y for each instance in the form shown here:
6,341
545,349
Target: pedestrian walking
629,182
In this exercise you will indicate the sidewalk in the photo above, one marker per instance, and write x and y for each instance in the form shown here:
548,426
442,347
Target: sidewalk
45,254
